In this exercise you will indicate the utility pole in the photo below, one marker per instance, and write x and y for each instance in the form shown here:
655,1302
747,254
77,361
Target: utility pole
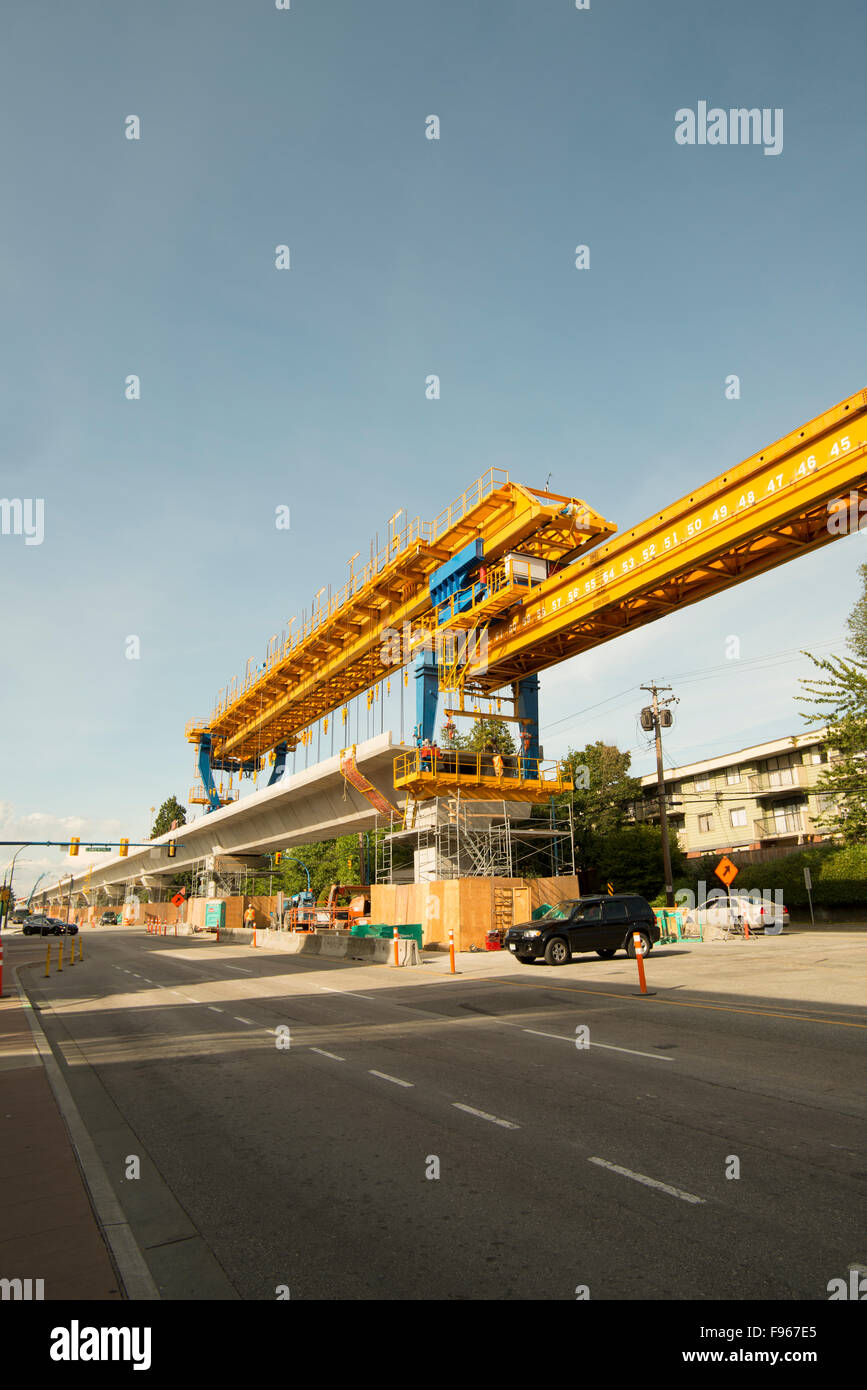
656,717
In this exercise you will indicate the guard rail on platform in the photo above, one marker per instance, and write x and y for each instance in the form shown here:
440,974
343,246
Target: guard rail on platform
430,772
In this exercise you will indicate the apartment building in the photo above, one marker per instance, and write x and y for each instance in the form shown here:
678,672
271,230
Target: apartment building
759,798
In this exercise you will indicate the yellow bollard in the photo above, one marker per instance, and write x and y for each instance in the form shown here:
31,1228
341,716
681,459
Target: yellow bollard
72,950
59,955
48,961
80,948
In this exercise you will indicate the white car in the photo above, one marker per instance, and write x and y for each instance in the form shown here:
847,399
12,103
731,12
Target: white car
731,914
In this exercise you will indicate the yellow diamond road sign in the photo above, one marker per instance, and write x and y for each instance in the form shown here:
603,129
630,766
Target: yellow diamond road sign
726,870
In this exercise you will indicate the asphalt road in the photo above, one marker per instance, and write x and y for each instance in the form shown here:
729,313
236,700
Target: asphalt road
304,1167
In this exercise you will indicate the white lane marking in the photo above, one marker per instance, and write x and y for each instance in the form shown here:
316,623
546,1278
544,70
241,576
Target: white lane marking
648,1182
333,1055
146,980
214,1009
238,967
178,993
483,1115
608,1046
329,990
132,972
244,1020
385,1076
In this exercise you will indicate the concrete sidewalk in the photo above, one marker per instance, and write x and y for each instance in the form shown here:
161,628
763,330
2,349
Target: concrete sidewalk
49,1229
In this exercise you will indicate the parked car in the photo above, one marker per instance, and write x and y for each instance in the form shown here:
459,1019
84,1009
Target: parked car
109,919
601,924
732,913
37,925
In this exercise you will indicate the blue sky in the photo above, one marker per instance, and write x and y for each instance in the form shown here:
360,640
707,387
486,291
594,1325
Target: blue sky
409,257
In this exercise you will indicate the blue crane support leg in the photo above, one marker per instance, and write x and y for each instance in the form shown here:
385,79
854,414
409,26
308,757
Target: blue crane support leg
526,694
279,763
206,773
426,695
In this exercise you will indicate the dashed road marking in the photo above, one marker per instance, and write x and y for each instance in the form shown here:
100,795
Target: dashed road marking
385,1076
350,992
686,1004
214,1009
333,1055
238,967
483,1115
648,1182
244,1020
608,1046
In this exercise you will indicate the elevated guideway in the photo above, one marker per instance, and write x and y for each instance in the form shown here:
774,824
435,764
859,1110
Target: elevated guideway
317,804
512,580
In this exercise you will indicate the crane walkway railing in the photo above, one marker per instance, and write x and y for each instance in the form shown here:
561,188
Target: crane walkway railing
429,772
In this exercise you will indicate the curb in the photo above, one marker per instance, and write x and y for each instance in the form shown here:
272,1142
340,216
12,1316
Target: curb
130,1263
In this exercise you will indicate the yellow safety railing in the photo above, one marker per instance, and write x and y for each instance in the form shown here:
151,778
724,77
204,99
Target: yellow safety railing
501,583
458,767
412,534
199,797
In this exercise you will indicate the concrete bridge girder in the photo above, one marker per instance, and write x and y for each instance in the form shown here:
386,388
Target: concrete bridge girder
316,804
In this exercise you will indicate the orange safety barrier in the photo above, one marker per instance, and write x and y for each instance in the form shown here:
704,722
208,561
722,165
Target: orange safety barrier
639,960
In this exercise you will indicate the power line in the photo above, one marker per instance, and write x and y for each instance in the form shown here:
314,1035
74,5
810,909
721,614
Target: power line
736,667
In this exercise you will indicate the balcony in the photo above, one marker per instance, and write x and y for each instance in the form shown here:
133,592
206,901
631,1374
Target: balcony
779,827
786,779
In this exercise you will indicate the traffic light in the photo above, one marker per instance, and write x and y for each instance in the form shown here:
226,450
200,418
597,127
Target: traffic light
124,848
74,843
278,856
172,848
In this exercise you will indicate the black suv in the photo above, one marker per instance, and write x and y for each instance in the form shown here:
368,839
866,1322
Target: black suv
39,925
601,924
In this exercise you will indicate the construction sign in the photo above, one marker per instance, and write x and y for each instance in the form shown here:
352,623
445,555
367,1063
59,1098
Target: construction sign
727,871
179,897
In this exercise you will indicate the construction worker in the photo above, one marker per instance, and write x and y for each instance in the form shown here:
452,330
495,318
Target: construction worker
250,918
499,765
426,757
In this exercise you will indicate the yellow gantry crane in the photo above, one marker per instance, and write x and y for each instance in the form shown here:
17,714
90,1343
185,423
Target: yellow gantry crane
510,580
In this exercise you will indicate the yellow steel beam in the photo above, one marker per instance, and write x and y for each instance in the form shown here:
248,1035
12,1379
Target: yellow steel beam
760,514
340,654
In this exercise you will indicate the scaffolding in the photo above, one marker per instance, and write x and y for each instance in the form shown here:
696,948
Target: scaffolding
456,838
227,883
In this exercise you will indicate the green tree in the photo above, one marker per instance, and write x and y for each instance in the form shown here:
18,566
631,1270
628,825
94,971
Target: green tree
839,700
328,861
171,810
630,858
482,731
602,797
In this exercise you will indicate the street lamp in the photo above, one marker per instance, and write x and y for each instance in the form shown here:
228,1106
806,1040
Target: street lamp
7,899
296,860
